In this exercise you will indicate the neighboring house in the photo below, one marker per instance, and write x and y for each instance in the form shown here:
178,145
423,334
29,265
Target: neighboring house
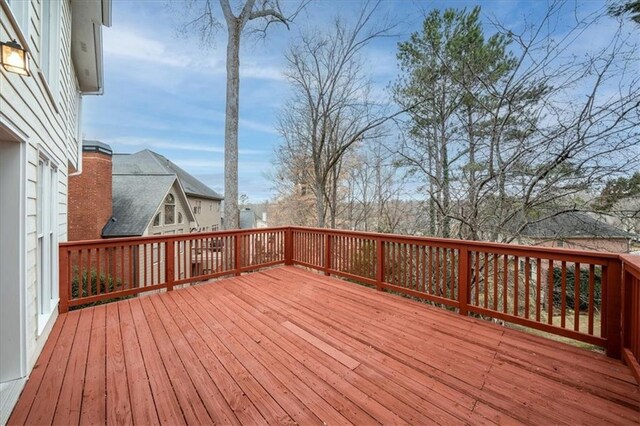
576,230
205,203
126,195
39,143
249,218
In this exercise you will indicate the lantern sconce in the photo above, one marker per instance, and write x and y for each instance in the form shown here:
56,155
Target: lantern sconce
13,58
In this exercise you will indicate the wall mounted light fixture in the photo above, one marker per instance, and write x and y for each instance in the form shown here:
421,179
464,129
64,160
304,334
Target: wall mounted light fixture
13,58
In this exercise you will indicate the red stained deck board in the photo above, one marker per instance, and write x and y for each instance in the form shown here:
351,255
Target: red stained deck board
220,352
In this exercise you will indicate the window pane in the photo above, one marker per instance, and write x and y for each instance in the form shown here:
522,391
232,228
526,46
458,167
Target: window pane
169,214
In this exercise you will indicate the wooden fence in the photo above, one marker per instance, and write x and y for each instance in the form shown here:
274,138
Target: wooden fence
572,293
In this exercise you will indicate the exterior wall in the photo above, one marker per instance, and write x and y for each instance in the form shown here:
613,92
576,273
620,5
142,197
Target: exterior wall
207,213
614,245
48,117
90,196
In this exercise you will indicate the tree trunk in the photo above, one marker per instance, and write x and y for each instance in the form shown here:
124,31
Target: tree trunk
319,189
231,212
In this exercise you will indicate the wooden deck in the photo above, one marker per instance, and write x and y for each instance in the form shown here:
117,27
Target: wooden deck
290,346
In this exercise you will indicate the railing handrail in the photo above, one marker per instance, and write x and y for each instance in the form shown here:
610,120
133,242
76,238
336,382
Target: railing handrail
457,243
168,237
631,264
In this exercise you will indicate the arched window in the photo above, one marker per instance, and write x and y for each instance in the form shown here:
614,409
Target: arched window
169,210
179,217
156,220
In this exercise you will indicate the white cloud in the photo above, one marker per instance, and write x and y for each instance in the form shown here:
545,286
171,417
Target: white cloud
143,143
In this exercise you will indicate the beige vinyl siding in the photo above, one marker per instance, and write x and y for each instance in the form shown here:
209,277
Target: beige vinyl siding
209,216
25,103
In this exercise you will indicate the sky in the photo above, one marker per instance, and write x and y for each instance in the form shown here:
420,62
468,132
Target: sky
166,92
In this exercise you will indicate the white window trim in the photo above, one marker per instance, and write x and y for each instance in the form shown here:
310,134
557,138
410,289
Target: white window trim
50,71
52,170
20,11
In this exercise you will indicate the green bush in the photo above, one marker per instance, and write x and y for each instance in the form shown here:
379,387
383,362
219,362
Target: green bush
583,303
104,284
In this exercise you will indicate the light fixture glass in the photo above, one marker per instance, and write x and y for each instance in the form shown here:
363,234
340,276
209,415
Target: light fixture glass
14,58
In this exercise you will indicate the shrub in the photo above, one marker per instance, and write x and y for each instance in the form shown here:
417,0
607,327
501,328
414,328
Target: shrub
104,284
583,303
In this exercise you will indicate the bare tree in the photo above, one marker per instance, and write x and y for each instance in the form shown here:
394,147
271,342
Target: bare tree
331,109
206,24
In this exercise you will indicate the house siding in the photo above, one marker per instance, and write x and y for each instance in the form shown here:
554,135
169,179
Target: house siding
208,216
50,126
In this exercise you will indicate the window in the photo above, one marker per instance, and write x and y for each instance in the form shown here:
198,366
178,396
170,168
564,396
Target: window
169,210
214,227
47,244
50,42
180,217
197,208
156,220
20,10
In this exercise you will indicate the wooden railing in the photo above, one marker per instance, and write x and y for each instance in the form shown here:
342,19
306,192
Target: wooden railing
571,293
102,270
631,313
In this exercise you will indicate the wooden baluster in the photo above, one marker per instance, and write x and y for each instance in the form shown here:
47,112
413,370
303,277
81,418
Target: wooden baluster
515,285
592,279
576,297
327,254
563,294
495,282
550,291
464,278
64,274
380,256
612,299
169,264
538,288
486,280
505,283
527,278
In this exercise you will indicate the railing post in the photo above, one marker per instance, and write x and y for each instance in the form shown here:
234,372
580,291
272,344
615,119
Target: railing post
379,263
63,279
237,254
288,246
327,253
614,308
169,264
464,266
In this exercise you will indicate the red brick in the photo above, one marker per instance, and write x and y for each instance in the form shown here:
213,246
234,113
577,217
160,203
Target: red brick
90,195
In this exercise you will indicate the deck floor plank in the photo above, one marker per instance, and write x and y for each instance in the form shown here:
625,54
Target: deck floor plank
93,408
69,403
28,396
144,409
118,397
290,346
48,394
368,394
251,387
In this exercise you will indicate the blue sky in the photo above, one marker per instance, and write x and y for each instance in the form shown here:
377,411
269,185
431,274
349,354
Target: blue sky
166,93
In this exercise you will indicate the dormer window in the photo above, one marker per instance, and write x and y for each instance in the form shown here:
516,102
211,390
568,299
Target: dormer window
169,210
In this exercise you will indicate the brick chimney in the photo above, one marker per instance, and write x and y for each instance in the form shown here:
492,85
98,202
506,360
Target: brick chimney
90,193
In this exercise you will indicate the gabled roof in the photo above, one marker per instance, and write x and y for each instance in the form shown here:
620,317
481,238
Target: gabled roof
135,200
147,162
573,225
